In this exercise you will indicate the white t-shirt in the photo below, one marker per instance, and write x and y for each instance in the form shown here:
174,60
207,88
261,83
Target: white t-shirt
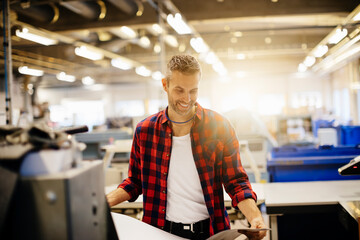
185,198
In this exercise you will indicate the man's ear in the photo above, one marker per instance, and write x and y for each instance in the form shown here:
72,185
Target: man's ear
164,84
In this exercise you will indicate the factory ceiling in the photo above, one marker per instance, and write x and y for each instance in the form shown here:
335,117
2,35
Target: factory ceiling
241,33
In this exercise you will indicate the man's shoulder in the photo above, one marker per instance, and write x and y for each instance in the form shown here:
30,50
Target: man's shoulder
213,115
150,120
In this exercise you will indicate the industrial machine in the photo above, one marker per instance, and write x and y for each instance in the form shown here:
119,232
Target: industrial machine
50,192
352,168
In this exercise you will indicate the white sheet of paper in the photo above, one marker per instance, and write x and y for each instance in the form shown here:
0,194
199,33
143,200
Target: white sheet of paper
231,234
129,228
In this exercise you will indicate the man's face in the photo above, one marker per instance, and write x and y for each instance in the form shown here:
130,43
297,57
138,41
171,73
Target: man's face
182,92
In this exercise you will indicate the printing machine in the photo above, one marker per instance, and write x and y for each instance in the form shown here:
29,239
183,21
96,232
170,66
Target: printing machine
53,194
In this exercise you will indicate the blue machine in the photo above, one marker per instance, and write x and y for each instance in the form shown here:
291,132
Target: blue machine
349,135
294,164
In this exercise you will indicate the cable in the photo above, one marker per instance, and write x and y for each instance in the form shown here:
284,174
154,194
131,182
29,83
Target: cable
5,45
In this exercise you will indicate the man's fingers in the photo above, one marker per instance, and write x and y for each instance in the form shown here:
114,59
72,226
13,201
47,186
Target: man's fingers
253,235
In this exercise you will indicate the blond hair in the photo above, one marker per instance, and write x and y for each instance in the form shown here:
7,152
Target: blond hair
185,64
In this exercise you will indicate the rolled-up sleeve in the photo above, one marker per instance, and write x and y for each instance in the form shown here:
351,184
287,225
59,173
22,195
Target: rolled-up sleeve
235,179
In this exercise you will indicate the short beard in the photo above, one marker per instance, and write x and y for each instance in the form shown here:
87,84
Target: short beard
174,107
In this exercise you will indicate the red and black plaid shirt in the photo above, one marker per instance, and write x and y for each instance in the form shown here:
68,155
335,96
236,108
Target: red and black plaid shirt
216,154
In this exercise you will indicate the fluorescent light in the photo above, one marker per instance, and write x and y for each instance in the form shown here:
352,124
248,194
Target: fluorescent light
320,51
199,45
338,35
143,71
182,47
240,56
85,52
25,34
64,77
302,67
30,71
121,63
357,17
211,58
87,80
268,40
124,32
219,68
178,24
156,29
144,42
157,75
157,48
171,41
238,34
309,61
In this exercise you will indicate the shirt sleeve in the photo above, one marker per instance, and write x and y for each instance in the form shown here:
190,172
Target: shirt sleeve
132,184
235,179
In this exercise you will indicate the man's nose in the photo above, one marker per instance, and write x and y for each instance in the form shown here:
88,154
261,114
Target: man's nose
187,97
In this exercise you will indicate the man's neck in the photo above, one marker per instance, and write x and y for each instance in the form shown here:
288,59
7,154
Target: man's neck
180,118
181,129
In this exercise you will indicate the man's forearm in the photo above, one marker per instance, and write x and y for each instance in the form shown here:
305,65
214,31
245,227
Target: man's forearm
249,208
117,196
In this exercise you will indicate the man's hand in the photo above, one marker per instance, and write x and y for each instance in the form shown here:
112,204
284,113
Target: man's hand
253,215
255,223
117,196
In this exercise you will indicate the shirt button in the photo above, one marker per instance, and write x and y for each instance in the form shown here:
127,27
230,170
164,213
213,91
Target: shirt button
165,173
167,155
163,209
164,191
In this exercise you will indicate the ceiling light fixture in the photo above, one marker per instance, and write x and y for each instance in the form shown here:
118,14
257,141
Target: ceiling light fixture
240,56
157,76
182,47
88,53
87,80
238,34
268,40
121,63
356,17
124,32
144,42
219,68
302,67
211,58
171,41
309,61
320,51
143,71
178,24
157,29
26,34
199,45
338,36
157,48
30,71
64,77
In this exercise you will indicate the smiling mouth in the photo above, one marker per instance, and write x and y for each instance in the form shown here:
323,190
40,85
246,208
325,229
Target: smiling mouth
184,105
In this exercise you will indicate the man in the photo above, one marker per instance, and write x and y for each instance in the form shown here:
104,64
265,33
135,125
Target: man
180,160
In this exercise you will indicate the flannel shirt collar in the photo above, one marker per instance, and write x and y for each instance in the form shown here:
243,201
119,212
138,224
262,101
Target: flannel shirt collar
199,113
